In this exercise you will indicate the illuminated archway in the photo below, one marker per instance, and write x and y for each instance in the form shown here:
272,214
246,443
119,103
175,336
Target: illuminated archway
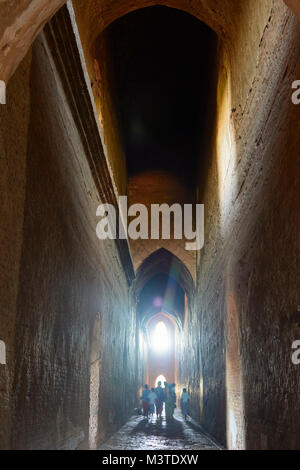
162,379
161,358
160,339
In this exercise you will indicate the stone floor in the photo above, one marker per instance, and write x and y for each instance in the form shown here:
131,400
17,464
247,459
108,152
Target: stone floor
141,434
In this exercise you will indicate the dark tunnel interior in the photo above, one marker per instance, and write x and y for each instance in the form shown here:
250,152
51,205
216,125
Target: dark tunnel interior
119,115
162,85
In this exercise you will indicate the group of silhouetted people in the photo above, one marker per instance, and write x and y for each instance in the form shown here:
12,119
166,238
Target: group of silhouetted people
154,399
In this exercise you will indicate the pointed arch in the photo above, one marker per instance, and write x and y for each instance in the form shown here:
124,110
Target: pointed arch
163,261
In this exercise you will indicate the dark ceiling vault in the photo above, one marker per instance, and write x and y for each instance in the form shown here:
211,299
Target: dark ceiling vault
160,57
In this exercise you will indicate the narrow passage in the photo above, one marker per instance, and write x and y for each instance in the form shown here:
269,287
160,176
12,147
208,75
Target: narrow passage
140,434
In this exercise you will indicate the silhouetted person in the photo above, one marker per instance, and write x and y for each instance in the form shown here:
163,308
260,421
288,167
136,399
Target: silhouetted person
169,403
159,400
165,391
173,392
145,401
184,402
152,398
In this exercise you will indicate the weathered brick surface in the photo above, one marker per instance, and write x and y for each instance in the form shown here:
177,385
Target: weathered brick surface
67,276
251,253
14,119
56,276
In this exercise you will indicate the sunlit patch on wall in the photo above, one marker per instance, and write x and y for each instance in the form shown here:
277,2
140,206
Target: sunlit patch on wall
2,353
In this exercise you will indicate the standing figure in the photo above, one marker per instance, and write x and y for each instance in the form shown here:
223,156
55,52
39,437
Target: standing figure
145,401
185,400
152,398
159,400
169,403
166,385
173,392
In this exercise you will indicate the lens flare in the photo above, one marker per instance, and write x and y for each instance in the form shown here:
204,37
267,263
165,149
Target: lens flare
158,301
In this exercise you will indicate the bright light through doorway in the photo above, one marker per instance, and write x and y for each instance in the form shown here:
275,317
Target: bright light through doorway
162,379
160,338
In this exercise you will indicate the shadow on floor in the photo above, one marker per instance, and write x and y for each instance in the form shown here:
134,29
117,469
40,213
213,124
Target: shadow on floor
172,429
198,429
195,427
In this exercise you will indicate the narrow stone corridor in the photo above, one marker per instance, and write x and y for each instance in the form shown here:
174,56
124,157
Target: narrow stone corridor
149,224
178,434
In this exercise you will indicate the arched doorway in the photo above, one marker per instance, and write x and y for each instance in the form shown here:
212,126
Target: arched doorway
163,288
162,379
161,360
